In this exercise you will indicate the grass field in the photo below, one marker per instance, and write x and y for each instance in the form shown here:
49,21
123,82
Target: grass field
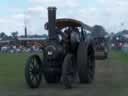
111,78
118,55
12,69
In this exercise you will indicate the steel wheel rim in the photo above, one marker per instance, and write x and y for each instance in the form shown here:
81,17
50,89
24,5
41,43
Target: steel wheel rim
34,71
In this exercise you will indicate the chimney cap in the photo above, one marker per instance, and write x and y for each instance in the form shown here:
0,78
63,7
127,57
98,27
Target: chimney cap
52,8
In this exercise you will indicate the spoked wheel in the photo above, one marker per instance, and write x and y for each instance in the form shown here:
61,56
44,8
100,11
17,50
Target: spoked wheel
33,74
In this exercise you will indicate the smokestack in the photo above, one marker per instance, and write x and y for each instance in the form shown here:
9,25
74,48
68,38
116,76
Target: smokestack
52,23
25,31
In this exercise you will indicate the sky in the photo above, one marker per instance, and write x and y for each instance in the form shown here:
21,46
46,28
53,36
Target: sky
14,14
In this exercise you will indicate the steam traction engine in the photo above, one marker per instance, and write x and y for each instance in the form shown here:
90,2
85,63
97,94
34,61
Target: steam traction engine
68,53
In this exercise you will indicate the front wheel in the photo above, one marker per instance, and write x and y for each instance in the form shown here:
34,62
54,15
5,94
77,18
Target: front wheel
33,74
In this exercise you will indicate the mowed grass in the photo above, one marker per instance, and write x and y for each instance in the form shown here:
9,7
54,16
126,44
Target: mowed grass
120,56
12,69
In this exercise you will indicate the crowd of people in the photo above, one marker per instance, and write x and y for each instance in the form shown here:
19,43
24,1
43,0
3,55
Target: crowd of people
19,49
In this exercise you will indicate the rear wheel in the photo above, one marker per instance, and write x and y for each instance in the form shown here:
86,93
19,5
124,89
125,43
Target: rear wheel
33,74
86,63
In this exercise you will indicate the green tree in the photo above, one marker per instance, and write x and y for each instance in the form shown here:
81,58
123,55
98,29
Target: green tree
14,34
99,30
3,35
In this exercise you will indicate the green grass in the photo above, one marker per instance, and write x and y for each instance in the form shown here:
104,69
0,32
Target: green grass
12,69
120,56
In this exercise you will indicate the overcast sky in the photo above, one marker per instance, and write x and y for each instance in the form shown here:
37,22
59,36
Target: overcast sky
112,14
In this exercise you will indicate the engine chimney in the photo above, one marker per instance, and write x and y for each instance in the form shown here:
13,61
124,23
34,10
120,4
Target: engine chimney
52,23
